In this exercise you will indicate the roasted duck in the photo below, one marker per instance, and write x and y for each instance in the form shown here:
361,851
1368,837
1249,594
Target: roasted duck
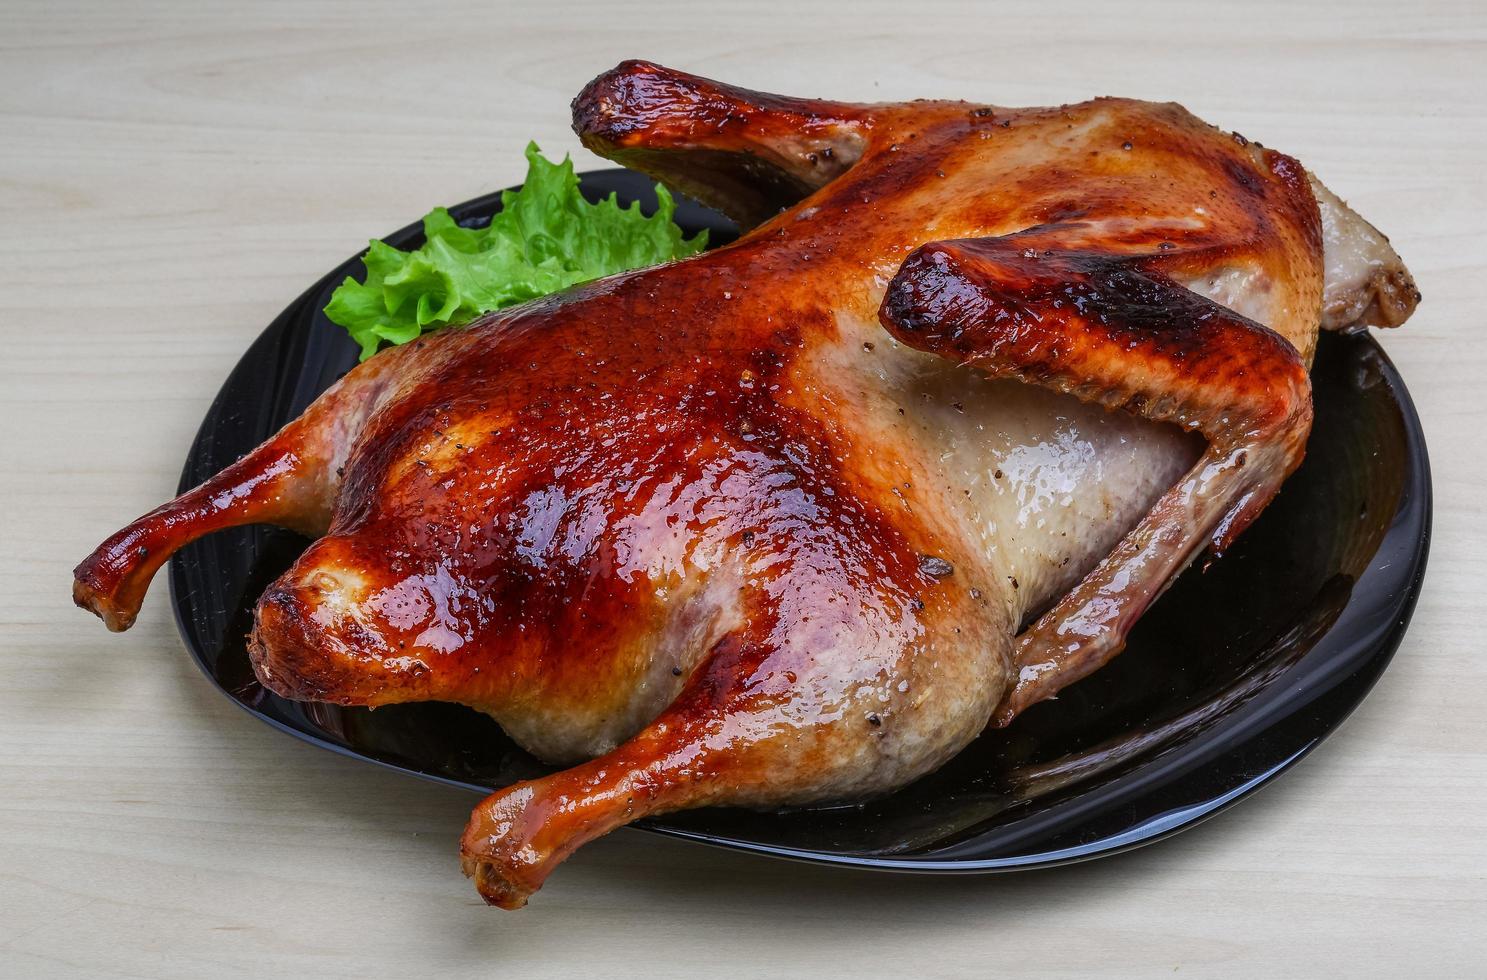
792,521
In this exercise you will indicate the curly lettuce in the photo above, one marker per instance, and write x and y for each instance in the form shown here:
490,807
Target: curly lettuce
546,237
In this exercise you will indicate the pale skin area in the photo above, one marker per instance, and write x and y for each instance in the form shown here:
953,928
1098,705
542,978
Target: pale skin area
1038,485
875,631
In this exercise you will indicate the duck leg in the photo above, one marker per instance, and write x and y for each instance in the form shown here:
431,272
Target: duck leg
732,738
1101,318
290,481
782,710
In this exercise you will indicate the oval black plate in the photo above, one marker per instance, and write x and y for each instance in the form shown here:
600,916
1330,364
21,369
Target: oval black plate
1232,677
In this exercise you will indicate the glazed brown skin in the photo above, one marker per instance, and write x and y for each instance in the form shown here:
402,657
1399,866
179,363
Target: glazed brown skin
705,525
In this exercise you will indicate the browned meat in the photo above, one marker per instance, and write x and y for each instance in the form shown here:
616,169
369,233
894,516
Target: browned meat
762,527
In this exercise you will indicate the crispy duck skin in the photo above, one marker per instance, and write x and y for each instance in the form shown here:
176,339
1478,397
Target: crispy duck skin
793,520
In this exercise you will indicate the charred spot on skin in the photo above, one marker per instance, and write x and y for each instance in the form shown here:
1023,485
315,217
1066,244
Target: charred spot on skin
1242,176
935,567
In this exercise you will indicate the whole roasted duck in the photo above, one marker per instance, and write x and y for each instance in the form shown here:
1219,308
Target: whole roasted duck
792,521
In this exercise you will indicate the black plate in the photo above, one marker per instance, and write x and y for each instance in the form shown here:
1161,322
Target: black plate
1237,673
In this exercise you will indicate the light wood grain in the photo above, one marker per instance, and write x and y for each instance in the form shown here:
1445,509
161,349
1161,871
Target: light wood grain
171,175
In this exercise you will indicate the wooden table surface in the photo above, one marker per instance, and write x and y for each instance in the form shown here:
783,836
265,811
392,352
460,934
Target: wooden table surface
173,174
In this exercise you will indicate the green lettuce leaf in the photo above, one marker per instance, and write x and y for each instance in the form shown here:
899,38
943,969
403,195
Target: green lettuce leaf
546,237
